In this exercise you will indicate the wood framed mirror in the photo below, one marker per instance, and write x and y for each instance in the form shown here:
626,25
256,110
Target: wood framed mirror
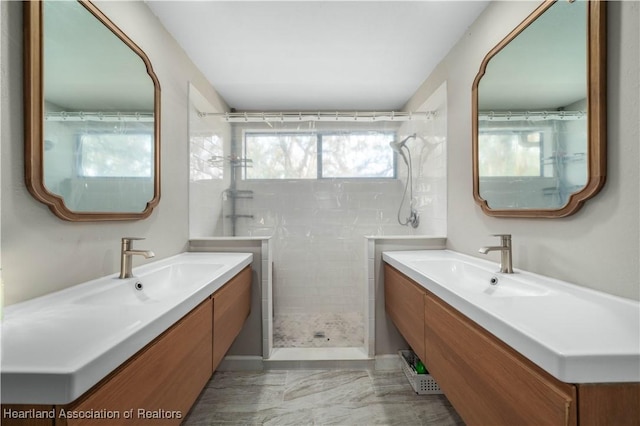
92,115
539,114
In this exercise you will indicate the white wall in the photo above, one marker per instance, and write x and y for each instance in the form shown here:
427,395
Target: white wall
3,37
42,253
598,247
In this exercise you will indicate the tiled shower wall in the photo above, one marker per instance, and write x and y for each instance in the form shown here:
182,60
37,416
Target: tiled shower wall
209,175
317,226
429,158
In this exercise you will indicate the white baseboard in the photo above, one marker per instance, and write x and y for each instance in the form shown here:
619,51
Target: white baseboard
256,363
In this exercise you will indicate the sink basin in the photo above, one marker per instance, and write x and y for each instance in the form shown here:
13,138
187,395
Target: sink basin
461,275
118,293
57,346
153,286
576,334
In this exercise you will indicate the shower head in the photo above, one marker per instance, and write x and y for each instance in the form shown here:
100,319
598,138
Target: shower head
397,147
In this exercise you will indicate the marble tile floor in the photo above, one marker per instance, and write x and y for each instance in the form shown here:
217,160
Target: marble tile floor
319,330
318,397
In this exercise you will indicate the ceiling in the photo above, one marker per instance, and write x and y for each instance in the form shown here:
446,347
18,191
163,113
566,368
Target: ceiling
316,55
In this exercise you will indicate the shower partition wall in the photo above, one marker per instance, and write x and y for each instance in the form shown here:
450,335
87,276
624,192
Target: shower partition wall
209,172
317,187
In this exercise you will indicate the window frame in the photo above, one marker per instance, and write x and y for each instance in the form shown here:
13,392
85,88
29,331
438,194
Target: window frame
319,134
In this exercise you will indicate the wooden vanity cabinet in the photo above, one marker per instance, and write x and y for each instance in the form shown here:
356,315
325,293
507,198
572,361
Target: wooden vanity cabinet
231,308
616,404
404,303
487,381
164,379
160,383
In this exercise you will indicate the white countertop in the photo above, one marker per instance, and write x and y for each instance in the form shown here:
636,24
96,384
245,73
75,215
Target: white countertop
56,347
576,334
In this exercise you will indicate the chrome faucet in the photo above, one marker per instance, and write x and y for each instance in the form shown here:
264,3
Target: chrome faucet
505,252
127,252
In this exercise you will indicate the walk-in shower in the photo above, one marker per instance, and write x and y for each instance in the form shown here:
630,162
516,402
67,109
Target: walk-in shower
319,185
314,184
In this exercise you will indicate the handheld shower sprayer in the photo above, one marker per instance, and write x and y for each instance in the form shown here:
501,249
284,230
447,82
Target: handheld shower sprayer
397,147
414,218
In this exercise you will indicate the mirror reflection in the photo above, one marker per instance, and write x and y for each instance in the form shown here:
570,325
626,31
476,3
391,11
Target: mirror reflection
99,127
533,114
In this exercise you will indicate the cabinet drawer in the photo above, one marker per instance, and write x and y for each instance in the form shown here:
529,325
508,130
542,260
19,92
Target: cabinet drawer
486,380
231,307
167,376
404,303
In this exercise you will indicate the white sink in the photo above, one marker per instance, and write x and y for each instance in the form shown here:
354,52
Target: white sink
56,347
576,334
478,280
154,286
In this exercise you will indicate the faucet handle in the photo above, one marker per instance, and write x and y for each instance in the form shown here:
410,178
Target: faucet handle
127,242
505,239
503,236
132,238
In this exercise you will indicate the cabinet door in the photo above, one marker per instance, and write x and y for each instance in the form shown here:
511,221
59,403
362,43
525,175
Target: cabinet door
162,380
231,307
609,404
488,382
404,303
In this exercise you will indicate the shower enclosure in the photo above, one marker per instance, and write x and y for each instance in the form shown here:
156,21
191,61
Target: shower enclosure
316,184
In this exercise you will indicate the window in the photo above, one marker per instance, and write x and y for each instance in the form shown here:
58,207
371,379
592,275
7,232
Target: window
510,153
115,155
281,155
364,155
316,155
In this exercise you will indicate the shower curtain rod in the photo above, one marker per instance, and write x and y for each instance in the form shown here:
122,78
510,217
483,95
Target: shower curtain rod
99,116
531,115
367,116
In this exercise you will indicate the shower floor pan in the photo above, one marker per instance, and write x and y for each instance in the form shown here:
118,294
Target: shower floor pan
325,330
